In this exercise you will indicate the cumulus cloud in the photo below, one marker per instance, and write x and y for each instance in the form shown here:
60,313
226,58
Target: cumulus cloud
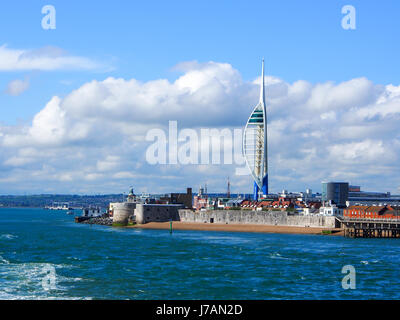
363,151
93,139
45,59
17,87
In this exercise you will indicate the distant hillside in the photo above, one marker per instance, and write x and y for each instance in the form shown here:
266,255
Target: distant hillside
42,200
76,201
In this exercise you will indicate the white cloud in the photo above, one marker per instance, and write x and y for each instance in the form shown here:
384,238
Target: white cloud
109,163
124,175
364,151
17,87
18,161
92,140
331,115
45,59
93,176
353,93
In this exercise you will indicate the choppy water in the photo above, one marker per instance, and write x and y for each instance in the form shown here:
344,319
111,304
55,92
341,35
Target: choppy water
96,262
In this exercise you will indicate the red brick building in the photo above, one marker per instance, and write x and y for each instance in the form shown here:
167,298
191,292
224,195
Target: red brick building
372,212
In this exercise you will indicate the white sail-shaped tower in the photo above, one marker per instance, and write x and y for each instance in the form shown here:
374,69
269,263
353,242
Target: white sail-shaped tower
255,144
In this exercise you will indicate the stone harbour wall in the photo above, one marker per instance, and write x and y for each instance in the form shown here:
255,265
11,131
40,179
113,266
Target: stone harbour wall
278,218
104,221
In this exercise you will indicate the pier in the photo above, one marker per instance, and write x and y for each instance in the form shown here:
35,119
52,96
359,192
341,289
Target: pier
371,228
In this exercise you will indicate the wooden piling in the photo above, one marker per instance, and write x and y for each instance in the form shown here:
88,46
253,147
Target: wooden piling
354,228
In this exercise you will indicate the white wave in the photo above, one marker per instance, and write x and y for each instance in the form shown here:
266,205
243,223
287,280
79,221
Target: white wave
2,260
277,255
73,258
8,236
26,281
6,296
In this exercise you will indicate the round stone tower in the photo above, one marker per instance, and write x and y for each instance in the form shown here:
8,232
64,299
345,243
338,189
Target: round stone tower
122,212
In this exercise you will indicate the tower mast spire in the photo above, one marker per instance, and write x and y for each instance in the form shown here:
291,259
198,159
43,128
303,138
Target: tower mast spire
262,89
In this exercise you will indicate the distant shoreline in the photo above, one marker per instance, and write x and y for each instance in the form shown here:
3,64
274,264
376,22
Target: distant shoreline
178,225
7,207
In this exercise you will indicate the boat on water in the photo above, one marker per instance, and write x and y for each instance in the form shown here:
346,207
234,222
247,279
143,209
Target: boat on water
59,206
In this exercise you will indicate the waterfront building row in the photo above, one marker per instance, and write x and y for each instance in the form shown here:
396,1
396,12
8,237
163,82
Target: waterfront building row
372,212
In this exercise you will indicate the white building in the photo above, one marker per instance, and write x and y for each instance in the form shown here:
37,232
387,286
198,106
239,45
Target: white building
330,211
92,212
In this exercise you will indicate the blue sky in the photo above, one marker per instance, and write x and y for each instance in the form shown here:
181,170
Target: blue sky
300,40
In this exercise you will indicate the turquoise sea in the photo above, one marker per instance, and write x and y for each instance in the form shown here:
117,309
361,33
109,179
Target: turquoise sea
96,262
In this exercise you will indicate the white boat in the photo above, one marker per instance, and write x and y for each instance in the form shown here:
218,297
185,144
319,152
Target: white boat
59,206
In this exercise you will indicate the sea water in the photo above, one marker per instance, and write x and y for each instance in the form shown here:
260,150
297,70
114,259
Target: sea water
46,255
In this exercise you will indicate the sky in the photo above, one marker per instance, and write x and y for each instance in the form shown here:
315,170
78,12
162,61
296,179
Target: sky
77,101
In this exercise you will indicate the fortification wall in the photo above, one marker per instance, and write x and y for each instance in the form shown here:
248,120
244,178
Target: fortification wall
278,218
145,213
